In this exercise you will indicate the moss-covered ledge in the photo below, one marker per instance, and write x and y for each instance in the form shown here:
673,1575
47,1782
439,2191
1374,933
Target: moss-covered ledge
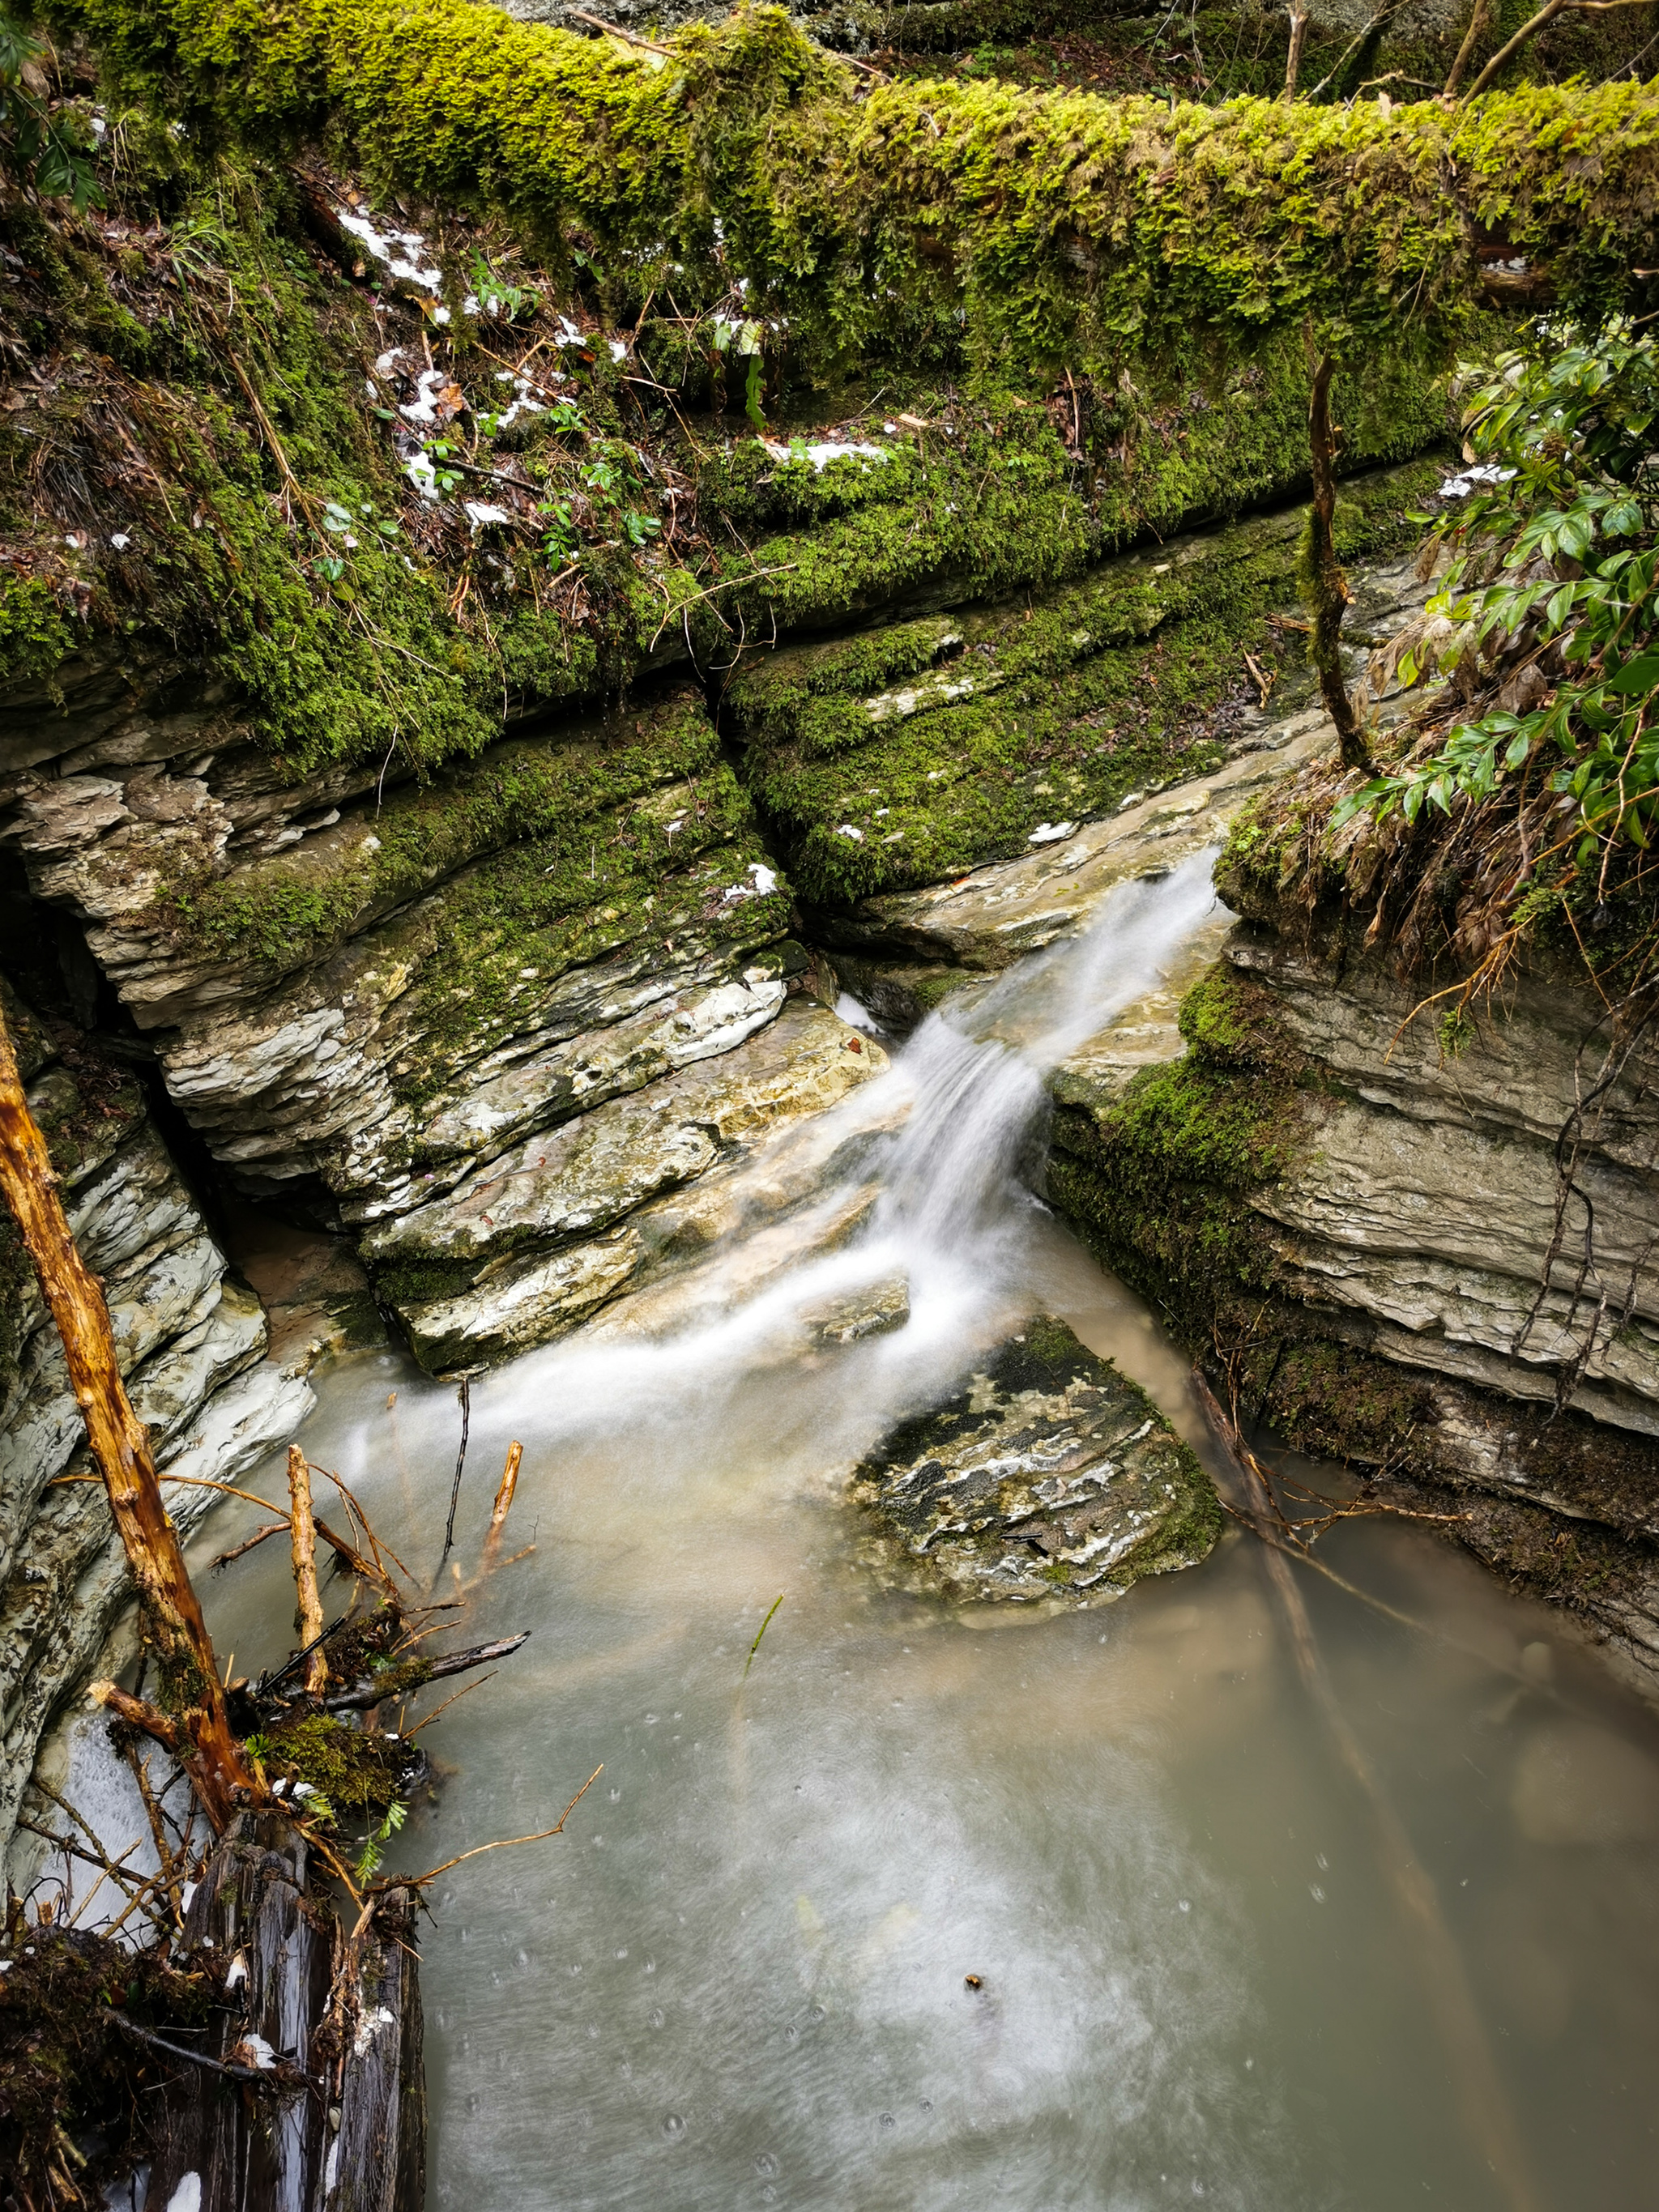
1054,226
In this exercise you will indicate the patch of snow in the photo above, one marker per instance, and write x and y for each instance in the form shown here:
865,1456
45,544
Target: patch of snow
762,880
823,451
1050,833
423,407
384,246
1484,472
479,514
847,830
187,2196
422,473
121,541
618,350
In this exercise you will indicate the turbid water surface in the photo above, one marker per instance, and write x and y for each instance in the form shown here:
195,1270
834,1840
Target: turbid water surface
739,1977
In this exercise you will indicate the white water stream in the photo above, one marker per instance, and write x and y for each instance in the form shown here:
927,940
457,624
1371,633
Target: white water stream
738,1979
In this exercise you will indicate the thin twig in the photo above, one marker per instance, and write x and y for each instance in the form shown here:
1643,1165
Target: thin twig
410,1734
505,1843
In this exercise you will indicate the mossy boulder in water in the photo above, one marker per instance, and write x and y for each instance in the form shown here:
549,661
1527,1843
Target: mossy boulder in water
1050,1475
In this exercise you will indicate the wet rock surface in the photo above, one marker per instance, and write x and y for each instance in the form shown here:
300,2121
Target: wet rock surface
1050,1477
191,1340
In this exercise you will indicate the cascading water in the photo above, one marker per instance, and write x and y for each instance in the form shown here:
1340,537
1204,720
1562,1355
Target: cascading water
947,1143
738,1979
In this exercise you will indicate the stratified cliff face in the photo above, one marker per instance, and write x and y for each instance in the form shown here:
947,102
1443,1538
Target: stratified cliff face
455,899
1358,1212
191,1340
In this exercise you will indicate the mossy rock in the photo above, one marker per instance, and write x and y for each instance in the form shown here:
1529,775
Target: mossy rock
900,756
1049,1477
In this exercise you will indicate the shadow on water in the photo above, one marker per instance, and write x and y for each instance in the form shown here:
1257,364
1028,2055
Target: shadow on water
739,1978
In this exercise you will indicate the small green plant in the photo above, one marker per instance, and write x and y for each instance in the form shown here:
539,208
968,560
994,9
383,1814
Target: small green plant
374,1843
196,247
1455,1031
439,452
48,150
743,339
1555,580
559,537
495,295
341,524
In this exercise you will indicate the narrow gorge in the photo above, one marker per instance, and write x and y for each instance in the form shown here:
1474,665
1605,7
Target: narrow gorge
708,782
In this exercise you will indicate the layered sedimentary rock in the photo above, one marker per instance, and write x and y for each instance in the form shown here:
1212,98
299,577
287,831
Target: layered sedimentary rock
191,1341
1355,1214
1047,1477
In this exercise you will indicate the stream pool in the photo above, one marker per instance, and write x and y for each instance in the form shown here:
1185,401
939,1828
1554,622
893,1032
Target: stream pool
738,1978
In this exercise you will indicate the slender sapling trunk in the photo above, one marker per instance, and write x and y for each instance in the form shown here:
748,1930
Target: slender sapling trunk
1326,585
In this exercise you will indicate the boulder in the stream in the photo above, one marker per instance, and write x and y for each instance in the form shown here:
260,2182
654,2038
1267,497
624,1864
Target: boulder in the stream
1048,1476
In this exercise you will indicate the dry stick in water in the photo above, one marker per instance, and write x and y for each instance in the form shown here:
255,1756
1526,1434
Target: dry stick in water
502,1844
1480,2093
503,1505
174,1628
303,1529
460,1462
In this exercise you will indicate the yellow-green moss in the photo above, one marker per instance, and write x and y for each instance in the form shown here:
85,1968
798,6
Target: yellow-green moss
1050,709
1062,226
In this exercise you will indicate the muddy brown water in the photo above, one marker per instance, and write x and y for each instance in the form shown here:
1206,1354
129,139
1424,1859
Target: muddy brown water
739,1978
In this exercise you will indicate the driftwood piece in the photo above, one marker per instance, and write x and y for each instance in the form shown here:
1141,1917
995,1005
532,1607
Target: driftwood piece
337,2124
376,2162
358,1697
503,1505
302,1529
253,2145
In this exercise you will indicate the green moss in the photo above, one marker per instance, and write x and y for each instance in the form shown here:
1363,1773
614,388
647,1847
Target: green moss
284,911
35,632
1159,1181
357,1770
1064,228
1055,708
584,891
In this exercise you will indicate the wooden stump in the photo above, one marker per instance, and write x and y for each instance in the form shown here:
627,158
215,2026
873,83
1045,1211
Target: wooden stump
339,2123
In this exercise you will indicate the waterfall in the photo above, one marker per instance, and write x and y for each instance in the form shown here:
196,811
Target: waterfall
947,1144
